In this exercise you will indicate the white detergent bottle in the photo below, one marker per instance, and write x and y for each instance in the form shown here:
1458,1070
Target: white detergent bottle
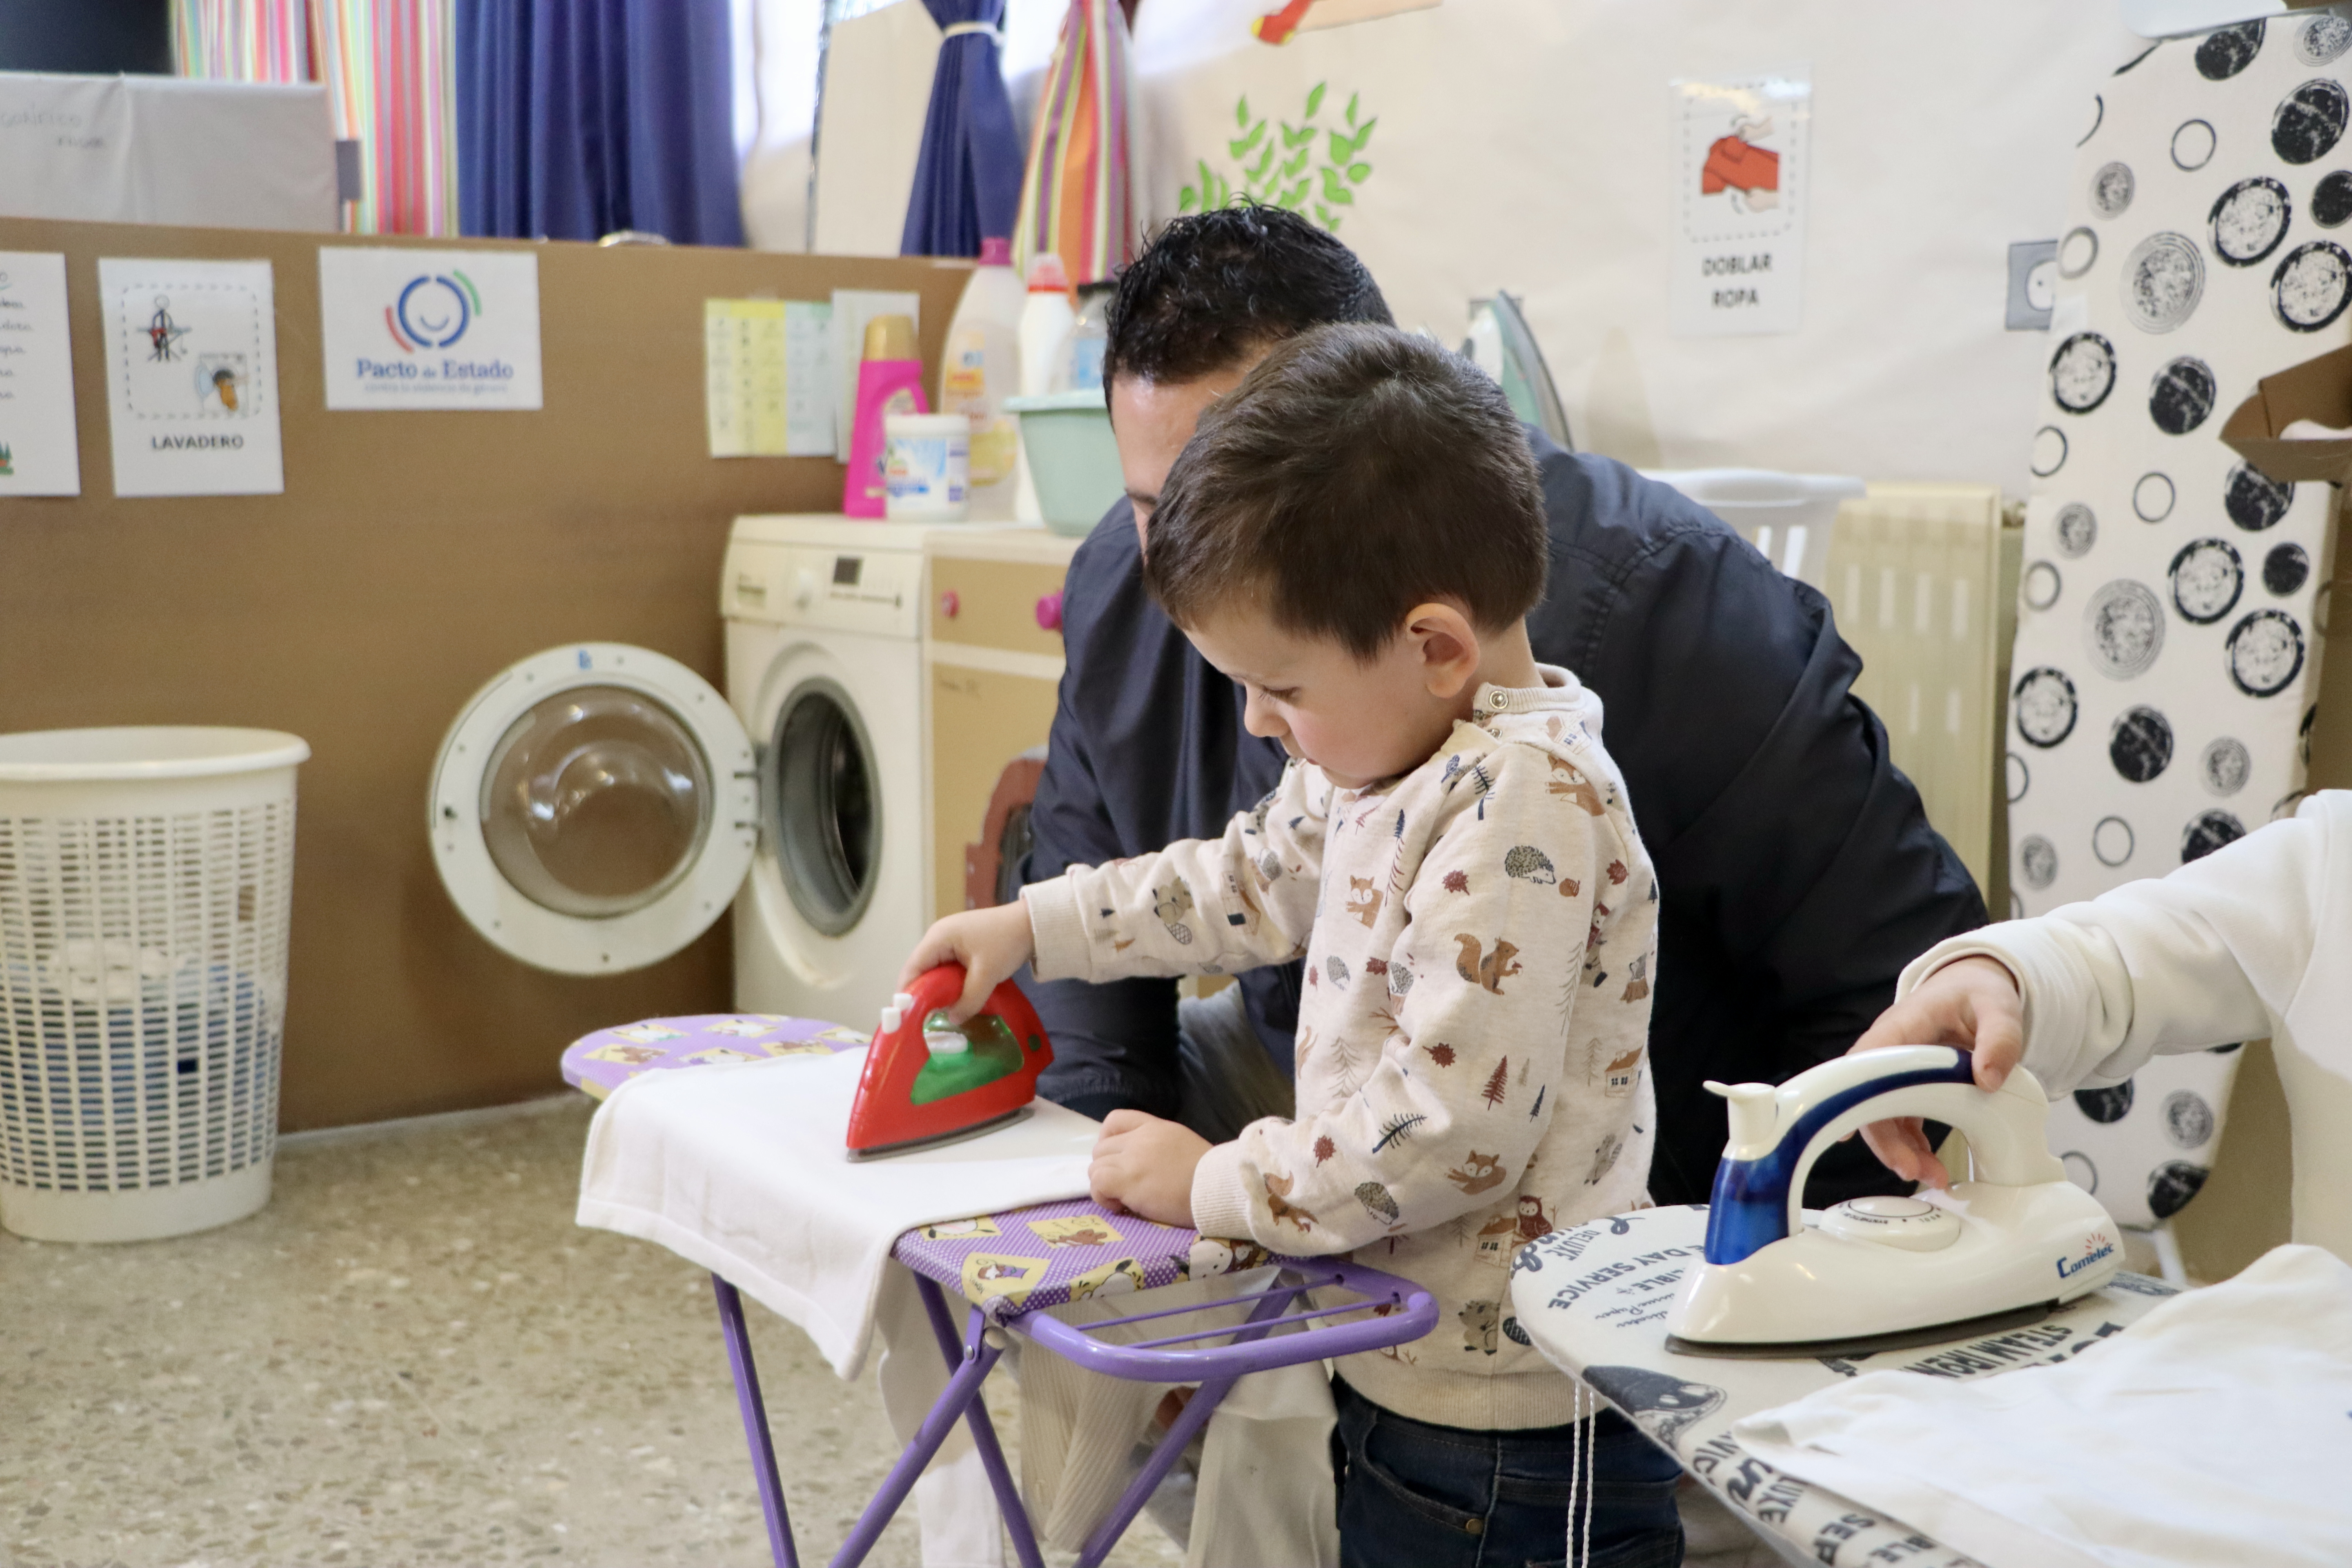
980,369
1046,323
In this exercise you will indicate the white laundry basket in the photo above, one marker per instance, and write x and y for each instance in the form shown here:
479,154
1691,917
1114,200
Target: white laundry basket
145,881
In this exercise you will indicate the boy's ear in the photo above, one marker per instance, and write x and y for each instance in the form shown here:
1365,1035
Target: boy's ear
1448,646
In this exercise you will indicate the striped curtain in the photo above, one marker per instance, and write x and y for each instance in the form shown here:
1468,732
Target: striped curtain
242,40
392,83
390,80
1078,198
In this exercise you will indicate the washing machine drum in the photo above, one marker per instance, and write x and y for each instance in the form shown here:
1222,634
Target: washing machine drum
593,808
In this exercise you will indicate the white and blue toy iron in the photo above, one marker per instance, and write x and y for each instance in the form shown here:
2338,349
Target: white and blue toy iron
1879,1273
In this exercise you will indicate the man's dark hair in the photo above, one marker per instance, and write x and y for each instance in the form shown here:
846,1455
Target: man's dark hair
1216,287
1355,472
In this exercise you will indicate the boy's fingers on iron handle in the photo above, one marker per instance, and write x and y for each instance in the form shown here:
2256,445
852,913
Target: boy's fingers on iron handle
979,982
928,954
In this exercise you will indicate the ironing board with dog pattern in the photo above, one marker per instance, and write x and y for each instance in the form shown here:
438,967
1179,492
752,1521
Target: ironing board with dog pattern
1011,1266
1593,1299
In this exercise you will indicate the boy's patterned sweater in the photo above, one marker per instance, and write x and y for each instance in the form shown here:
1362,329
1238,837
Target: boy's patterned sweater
1472,1069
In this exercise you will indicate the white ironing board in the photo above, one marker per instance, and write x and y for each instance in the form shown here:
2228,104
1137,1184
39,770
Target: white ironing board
1593,1299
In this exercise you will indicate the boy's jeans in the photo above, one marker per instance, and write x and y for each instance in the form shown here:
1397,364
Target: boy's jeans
1414,1495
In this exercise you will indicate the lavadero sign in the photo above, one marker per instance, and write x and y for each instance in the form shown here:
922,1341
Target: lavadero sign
427,328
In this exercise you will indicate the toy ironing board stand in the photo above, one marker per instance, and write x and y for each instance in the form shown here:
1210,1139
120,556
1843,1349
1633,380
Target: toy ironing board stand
1276,1327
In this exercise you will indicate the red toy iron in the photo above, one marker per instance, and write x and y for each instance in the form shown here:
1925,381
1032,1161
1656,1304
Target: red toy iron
928,1082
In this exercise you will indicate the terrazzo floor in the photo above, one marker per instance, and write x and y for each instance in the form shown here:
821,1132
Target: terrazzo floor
413,1356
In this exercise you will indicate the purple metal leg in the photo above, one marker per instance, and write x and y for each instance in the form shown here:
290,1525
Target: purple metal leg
755,1423
962,1390
984,1430
1177,1437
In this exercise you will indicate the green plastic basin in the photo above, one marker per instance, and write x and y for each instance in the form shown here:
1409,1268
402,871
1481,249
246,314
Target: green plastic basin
1072,456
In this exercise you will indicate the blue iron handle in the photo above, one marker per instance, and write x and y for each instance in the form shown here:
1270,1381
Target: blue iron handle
1750,1206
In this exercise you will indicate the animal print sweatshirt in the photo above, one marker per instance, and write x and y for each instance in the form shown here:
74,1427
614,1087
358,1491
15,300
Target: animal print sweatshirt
1471,1066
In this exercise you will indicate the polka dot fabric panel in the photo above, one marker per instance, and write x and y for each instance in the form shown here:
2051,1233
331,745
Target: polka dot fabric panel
2171,601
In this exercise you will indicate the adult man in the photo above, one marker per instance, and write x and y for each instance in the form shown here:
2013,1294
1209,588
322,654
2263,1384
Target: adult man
1797,870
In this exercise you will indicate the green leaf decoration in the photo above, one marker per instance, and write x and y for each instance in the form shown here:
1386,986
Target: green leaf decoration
1187,199
1284,169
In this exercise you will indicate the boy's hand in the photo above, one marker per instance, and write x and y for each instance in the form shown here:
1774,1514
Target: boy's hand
1144,1166
991,944
1972,1003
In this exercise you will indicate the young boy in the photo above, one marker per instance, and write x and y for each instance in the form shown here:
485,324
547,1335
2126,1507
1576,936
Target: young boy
1355,536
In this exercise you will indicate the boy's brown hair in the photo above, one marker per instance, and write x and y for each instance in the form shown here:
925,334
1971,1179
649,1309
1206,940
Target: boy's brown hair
1355,472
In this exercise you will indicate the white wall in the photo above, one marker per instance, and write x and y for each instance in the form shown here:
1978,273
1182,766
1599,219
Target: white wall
1523,144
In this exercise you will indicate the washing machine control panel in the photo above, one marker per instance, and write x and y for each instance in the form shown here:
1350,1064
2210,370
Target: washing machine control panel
831,589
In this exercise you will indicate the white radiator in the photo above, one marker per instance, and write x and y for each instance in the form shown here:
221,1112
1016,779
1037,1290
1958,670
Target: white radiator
1924,582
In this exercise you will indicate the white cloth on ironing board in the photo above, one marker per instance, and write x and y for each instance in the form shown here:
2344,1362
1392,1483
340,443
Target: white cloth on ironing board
742,1170
2214,1432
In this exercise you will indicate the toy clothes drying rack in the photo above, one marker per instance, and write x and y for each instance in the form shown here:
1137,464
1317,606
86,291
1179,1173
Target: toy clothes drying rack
1277,1326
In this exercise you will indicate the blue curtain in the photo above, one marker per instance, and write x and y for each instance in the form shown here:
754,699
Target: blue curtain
576,118
968,179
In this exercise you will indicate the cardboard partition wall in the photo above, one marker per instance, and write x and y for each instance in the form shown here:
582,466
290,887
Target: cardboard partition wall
412,556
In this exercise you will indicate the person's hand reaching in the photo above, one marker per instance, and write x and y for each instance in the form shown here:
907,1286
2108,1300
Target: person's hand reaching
992,945
1972,1003
1144,1165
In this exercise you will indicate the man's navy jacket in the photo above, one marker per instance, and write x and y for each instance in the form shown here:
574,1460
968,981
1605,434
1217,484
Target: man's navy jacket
1796,870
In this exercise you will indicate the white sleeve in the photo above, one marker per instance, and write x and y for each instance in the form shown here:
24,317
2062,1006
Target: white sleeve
2206,956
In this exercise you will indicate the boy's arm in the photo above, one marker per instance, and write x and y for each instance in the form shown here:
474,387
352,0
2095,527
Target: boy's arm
1207,906
1470,1062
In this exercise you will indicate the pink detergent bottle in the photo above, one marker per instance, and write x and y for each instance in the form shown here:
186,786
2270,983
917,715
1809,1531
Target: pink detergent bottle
889,381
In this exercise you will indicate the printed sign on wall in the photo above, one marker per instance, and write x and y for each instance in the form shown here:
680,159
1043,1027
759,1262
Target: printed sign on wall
38,455
1741,193
429,329
191,376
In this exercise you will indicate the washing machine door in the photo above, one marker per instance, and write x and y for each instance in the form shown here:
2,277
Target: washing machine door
593,808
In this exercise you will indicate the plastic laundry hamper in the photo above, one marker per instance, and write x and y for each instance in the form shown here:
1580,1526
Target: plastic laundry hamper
146,876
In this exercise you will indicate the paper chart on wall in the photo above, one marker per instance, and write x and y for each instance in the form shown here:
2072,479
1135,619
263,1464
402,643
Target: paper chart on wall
1741,188
768,377
429,329
37,451
191,376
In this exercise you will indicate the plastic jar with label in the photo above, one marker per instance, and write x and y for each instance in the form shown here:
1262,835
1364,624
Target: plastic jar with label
927,467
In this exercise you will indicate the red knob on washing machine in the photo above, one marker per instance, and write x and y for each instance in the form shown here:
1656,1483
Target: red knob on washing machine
1049,612
950,603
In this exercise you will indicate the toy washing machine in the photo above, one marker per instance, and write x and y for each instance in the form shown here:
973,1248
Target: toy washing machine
595,807
994,658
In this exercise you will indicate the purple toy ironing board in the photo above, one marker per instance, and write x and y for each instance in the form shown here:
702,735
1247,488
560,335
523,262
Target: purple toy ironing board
1014,1265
